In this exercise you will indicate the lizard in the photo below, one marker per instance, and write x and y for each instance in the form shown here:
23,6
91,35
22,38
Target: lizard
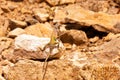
54,42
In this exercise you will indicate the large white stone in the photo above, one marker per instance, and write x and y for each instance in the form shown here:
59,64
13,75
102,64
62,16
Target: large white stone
30,43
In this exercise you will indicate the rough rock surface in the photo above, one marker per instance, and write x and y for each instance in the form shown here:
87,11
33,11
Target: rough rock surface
30,43
74,36
16,32
106,47
99,20
31,47
40,30
72,69
14,24
91,29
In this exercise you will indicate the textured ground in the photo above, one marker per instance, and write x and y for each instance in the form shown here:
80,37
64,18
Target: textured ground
90,33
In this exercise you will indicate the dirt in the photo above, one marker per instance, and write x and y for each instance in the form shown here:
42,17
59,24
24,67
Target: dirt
88,29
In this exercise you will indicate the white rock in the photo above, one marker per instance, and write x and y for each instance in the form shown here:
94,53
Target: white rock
30,43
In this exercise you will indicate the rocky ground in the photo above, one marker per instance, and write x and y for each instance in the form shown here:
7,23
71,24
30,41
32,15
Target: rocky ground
89,31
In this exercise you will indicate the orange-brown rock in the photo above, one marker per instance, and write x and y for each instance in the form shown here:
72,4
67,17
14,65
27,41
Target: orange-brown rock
16,23
5,43
98,20
59,2
74,37
41,14
40,30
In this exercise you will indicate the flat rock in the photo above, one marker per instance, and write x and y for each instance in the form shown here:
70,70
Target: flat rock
41,15
39,29
74,37
16,32
98,20
112,46
111,36
15,23
59,2
108,46
66,1
30,43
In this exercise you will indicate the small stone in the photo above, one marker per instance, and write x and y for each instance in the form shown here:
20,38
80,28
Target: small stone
41,15
31,20
5,9
66,1
5,43
111,36
74,37
53,2
24,11
4,28
15,23
95,39
16,32
12,7
59,2
33,1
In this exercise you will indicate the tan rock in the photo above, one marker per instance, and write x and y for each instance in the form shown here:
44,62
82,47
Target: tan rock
6,48
58,13
15,23
24,11
31,20
4,28
66,1
95,39
53,2
5,43
16,32
2,33
40,29
5,9
98,20
41,15
59,2
110,46
111,36
74,37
